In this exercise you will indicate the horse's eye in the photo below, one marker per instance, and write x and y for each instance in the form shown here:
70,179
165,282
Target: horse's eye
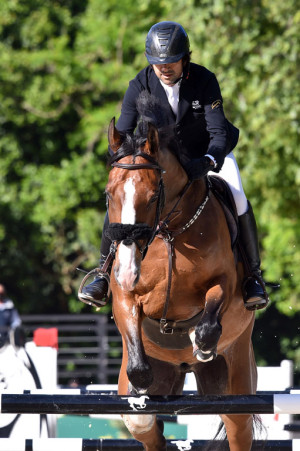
108,196
108,199
153,198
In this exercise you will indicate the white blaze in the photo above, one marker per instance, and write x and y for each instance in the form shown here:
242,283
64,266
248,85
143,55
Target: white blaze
128,211
127,271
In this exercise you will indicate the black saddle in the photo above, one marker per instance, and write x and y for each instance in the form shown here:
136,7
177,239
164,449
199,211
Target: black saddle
222,192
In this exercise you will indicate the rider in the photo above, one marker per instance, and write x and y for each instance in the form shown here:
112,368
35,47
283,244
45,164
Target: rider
9,317
205,138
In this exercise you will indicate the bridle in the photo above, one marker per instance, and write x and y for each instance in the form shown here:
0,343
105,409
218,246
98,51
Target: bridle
133,233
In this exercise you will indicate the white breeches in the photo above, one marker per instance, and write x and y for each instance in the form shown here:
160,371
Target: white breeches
231,174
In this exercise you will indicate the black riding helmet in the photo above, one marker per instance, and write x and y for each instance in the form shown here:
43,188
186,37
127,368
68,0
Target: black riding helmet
166,42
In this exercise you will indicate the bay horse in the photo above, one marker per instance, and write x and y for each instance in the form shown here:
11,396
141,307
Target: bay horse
176,286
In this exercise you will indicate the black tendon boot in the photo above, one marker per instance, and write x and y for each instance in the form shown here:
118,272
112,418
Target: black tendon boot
96,293
254,292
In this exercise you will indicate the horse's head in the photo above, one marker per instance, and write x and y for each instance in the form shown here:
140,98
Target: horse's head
135,196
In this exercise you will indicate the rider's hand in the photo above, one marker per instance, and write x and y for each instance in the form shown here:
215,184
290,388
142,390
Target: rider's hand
198,168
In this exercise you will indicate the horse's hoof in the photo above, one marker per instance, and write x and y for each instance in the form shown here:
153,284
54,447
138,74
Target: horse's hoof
141,391
133,391
204,356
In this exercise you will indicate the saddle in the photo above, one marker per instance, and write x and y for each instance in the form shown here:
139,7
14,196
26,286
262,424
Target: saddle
223,194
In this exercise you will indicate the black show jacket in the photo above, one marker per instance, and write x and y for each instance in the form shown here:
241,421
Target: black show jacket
200,126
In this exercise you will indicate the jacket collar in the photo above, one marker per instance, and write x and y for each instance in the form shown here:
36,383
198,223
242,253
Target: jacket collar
160,93
186,96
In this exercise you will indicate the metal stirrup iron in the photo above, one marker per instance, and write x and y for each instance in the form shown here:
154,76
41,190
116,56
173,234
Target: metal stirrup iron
99,272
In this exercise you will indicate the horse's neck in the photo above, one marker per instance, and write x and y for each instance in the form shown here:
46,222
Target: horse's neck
175,180
175,177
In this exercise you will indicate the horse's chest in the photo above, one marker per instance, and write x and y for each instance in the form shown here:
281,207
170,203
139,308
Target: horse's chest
159,271
183,283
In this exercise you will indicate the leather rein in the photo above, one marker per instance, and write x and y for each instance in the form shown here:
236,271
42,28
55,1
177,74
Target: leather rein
168,237
159,230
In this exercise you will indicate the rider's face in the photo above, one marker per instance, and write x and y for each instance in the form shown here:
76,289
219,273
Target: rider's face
169,73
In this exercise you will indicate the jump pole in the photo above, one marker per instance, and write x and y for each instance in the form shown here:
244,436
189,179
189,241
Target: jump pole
76,444
169,405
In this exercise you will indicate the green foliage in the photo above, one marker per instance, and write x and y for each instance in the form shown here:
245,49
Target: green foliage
253,48
64,69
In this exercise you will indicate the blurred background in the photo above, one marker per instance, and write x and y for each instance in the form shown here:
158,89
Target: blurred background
64,68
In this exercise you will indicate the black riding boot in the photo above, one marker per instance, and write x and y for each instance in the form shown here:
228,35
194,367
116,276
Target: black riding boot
96,293
254,292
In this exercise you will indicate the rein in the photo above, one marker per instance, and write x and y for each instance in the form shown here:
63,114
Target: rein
168,238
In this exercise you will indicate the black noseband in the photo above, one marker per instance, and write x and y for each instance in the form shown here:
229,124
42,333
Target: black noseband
132,232
129,233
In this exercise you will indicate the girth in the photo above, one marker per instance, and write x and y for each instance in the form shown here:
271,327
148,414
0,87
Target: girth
176,334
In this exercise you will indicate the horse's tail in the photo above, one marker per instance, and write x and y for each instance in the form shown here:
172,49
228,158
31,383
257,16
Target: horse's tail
260,433
220,443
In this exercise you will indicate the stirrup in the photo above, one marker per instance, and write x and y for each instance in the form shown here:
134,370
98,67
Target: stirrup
258,302
100,274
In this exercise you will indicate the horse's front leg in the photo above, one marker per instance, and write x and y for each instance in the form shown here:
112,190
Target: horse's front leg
147,430
127,315
206,334
136,376
143,427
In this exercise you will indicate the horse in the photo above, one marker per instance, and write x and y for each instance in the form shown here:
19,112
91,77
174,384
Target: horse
18,372
176,286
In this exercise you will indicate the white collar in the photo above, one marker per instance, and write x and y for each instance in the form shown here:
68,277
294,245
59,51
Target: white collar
174,88
172,93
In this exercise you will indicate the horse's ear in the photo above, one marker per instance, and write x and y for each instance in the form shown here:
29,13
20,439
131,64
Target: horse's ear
114,137
152,142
